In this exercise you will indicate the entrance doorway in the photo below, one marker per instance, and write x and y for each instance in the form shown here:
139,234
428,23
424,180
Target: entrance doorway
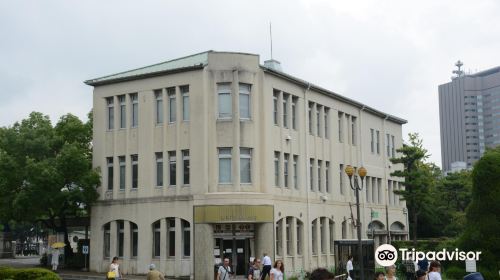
235,242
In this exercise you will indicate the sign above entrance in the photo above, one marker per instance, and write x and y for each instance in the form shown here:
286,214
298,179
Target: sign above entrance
233,213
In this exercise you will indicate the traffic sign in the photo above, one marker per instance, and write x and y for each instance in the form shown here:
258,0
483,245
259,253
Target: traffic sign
85,249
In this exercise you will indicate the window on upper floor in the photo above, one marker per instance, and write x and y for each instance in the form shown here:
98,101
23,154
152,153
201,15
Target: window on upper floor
135,109
294,112
245,165
185,102
225,101
172,167
185,167
159,169
286,97
172,105
275,107
123,111
135,171
245,101
159,106
225,166
110,112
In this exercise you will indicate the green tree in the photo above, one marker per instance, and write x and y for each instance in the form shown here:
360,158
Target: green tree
418,176
483,214
47,171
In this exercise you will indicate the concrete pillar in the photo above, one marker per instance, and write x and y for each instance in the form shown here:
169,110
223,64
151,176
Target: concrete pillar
318,240
203,251
127,244
163,245
145,252
264,241
283,239
113,251
178,247
327,241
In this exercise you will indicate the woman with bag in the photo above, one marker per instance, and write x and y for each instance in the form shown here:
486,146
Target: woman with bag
114,270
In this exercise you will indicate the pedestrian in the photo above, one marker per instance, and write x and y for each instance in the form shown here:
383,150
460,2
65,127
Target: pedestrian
390,273
321,274
254,271
423,264
154,274
267,265
349,267
278,271
379,275
434,269
55,258
224,272
410,268
114,269
420,275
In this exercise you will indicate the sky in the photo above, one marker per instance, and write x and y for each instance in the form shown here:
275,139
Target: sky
388,54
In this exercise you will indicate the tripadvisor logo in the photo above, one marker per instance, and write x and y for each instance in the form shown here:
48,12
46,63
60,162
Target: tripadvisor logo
387,255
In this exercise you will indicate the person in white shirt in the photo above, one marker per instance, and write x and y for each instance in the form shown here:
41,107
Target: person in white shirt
349,267
115,267
224,272
390,273
278,272
55,258
434,269
267,265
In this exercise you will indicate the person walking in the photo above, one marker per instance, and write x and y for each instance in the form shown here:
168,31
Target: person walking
55,258
420,275
224,272
254,271
349,267
114,269
390,273
434,269
267,265
278,271
154,274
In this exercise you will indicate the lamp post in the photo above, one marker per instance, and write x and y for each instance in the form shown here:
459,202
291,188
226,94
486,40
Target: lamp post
349,170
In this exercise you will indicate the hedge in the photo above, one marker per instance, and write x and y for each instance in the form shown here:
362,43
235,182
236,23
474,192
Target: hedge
9,273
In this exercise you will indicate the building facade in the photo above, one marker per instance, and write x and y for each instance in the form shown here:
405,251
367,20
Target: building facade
214,155
469,113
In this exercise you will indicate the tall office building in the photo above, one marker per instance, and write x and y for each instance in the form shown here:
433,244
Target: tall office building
469,111
215,156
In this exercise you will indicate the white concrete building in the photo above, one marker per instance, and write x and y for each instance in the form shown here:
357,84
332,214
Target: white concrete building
215,155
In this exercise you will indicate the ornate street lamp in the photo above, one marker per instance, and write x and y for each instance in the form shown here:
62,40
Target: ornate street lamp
349,170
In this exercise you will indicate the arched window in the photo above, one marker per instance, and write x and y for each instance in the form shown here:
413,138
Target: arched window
107,240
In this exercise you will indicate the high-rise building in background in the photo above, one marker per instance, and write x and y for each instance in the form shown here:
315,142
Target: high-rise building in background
469,113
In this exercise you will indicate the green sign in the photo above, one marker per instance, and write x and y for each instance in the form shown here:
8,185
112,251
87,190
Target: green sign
374,214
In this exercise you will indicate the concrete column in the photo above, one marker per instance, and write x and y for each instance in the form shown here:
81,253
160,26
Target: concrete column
163,244
264,242
126,245
203,251
293,235
178,247
326,228
113,239
283,239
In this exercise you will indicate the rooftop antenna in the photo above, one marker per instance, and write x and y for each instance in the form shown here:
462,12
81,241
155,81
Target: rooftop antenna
271,36
459,73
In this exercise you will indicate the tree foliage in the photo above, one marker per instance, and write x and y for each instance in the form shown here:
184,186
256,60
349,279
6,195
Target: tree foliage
483,213
46,171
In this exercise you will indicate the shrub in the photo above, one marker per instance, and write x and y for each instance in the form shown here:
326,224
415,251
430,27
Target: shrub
454,272
27,273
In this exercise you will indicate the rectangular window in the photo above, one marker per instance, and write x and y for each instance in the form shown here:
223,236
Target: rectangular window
288,232
120,236
277,169
109,161
379,187
393,149
159,106
332,236
185,102
245,165
294,112
341,178
327,176
341,127
135,171
245,101
322,231
121,161
310,116
372,141
135,109
285,110
185,167
311,172
318,120
225,165
275,107
313,238
388,145
278,238
295,172
135,239
378,142
156,239
299,238
172,107
327,123
171,237
172,167
353,130
186,238
285,166
111,112
225,101
159,169
123,111
320,166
